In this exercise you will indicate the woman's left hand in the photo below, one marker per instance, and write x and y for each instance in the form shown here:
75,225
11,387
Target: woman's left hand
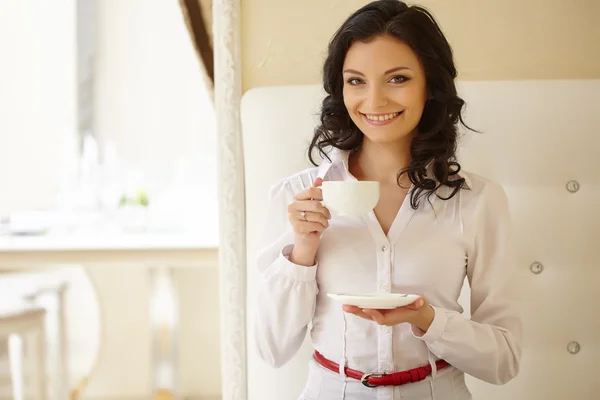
419,314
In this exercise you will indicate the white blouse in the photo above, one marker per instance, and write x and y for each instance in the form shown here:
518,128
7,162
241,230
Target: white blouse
428,251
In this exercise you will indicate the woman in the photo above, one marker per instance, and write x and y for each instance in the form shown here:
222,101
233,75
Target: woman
390,115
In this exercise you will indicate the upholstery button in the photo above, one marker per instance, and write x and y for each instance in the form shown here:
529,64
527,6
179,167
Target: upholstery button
536,267
385,286
573,347
573,186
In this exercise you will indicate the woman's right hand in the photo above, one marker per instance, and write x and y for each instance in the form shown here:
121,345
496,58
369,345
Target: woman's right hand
309,218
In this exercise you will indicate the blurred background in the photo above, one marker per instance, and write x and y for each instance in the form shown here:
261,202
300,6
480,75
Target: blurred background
108,184
108,204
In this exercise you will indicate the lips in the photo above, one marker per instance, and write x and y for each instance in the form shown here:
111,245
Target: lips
381,119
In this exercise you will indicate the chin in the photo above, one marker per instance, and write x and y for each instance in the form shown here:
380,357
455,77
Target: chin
385,136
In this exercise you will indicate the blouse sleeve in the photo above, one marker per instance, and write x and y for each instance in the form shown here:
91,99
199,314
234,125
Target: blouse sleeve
286,291
487,346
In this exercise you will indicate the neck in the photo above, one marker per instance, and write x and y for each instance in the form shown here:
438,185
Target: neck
378,162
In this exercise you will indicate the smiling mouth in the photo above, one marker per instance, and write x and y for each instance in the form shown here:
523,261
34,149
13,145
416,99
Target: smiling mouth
381,119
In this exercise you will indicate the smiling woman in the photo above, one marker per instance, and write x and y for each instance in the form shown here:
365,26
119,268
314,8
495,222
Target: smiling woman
398,79
394,98
390,116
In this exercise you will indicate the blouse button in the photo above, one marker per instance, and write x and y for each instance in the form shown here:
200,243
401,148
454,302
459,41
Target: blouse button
386,329
386,367
384,247
385,286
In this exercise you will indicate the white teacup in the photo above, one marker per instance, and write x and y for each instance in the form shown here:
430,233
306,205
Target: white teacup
350,198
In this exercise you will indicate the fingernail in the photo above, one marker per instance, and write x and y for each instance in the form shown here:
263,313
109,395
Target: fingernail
420,302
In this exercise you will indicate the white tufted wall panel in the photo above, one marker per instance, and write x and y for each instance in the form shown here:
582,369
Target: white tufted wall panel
540,140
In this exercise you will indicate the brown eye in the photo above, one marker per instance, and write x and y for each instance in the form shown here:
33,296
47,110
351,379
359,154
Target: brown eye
399,79
354,81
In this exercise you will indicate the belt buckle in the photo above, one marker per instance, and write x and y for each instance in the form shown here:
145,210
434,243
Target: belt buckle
365,382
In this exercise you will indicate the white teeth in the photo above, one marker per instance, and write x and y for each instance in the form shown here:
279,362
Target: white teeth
381,117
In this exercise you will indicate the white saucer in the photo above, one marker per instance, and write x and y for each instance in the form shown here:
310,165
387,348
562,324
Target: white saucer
382,301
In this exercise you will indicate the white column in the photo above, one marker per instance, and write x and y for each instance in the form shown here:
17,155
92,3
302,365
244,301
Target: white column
164,320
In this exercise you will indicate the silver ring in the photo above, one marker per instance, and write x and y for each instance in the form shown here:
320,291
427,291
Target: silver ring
303,215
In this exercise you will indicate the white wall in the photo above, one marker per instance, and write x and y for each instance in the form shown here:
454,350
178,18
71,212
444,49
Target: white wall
150,95
149,99
37,100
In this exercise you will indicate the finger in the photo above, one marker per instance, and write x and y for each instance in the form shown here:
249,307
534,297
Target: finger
314,193
298,218
356,311
416,304
351,309
375,315
308,227
311,205
318,207
313,217
308,205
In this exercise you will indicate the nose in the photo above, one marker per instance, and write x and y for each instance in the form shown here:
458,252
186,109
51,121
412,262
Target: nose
377,97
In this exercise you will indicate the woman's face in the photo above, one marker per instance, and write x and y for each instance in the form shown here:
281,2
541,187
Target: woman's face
384,89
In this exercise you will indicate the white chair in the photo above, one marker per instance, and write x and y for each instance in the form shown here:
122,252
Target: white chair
72,318
540,141
51,297
18,321
44,290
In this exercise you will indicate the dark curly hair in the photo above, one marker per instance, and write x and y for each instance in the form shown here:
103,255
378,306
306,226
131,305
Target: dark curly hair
436,139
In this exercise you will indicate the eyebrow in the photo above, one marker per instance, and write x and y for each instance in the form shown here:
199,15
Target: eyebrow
389,71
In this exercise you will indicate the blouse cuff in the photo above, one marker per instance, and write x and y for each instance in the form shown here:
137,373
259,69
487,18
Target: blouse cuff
436,329
294,271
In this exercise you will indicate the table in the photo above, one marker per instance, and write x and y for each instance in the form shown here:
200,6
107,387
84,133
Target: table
181,249
156,251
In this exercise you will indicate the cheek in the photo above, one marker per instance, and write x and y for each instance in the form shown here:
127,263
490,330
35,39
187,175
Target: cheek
351,100
348,101
414,100
410,97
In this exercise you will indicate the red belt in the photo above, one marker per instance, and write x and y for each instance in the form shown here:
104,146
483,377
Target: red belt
373,380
